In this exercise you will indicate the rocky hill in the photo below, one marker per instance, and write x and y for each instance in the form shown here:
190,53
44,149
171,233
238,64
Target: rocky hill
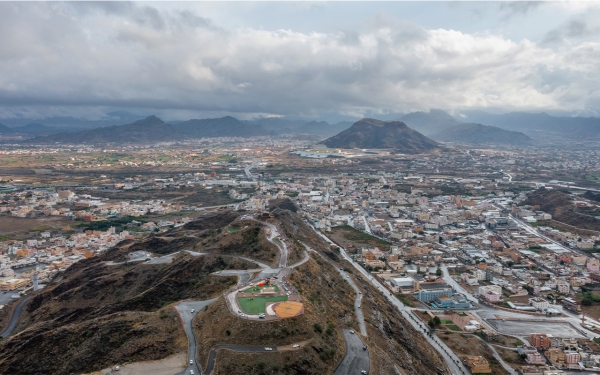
560,205
148,130
376,134
104,310
478,134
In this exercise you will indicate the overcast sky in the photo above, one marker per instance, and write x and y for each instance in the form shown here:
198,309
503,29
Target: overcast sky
187,60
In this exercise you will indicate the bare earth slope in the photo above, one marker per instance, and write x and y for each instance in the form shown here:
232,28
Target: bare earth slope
371,133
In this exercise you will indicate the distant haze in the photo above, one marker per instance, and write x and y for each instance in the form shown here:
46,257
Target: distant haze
320,61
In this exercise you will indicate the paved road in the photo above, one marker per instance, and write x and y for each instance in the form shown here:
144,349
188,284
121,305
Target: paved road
358,300
450,281
283,250
187,316
304,260
14,319
508,369
451,359
356,358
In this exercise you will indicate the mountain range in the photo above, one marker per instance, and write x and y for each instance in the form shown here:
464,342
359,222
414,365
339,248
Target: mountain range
371,133
478,134
152,129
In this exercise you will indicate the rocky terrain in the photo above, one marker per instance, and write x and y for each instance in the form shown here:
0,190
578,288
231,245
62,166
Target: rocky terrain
376,134
560,205
105,311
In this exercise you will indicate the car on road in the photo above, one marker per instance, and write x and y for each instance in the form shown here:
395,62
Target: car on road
193,310
351,331
296,346
192,372
364,347
191,362
268,349
363,372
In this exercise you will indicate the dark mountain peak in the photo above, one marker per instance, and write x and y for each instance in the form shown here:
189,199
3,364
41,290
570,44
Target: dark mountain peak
373,133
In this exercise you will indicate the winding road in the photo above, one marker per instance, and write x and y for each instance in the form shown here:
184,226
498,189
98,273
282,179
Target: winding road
187,316
453,362
14,319
356,358
358,300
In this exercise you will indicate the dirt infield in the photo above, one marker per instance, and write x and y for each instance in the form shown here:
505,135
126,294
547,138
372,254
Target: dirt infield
288,309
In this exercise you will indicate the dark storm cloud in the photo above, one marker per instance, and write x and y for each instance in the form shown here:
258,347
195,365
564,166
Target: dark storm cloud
132,55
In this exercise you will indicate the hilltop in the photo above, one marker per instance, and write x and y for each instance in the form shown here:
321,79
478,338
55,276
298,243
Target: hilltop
104,311
481,134
371,133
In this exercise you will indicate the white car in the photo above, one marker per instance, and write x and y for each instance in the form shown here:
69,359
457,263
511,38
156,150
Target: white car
193,310
296,346
191,362
352,332
268,349
191,372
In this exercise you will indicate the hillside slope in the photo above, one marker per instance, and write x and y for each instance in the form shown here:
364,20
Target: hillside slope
560,205
371,133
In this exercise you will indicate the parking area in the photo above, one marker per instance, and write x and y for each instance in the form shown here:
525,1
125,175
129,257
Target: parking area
526,327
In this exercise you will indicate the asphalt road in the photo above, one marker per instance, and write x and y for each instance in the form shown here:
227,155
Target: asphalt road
283,250
187,316
14,319
356,358
456,367
5,297
358,300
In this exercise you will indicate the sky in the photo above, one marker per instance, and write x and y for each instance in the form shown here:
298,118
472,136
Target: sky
297,59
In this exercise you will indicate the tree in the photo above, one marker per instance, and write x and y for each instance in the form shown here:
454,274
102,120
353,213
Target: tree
586,302
438,272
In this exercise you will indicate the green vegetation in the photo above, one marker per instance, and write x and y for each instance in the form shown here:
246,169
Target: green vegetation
5,238
434,322
40,229
453,327
257,304
354,234
258,289
589,298
446,321
233,229
106,224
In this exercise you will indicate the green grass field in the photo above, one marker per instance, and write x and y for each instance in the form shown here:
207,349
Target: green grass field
249,290
257,305
233,229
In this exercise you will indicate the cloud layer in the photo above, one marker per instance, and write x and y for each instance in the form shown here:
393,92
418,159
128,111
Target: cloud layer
129,55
